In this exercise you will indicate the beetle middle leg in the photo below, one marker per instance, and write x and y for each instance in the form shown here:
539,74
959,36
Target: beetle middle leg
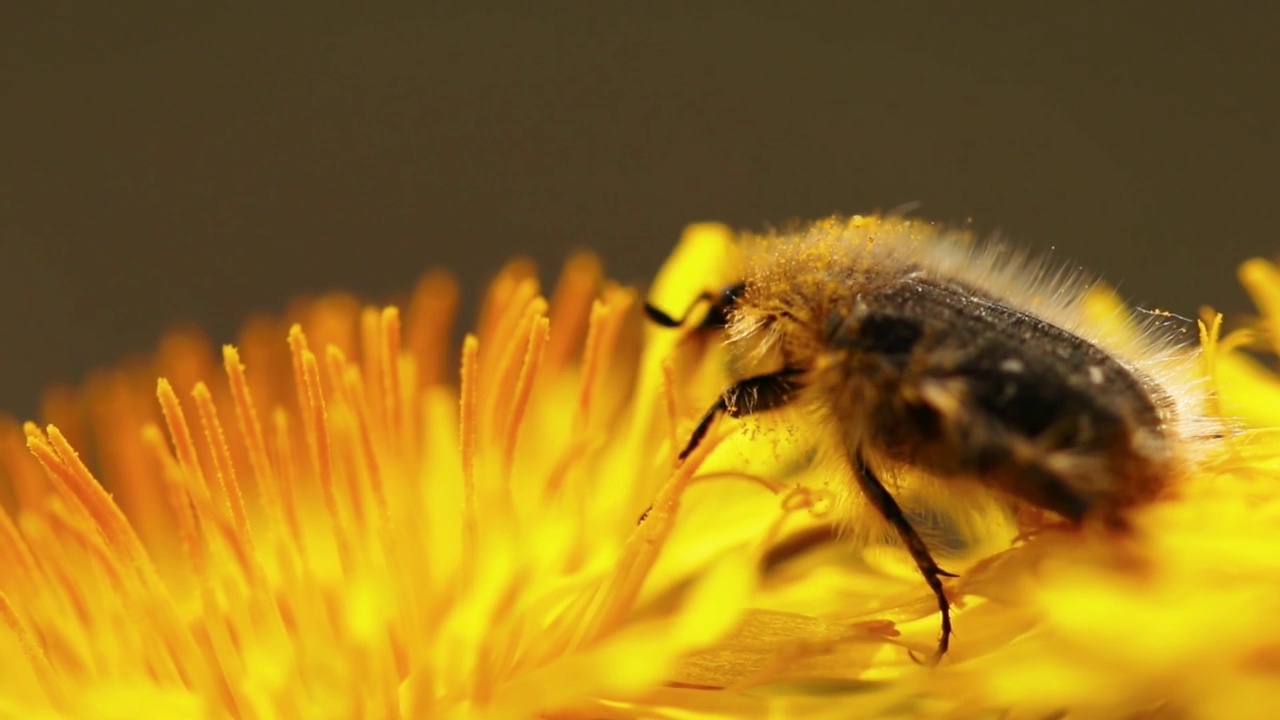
745,397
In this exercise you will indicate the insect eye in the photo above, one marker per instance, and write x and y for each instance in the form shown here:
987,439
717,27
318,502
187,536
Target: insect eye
718,314
729,296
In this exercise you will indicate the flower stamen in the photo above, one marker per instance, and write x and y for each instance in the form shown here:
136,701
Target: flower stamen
78,486
184,443
467,432
539,332
514,352
223,467
316,419
389,366
251,432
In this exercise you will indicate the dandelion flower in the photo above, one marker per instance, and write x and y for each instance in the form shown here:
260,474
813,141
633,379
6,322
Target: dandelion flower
344,519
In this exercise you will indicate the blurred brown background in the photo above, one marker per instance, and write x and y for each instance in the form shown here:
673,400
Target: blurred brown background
164,165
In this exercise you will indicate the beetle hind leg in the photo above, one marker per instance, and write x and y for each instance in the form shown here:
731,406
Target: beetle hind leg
889,509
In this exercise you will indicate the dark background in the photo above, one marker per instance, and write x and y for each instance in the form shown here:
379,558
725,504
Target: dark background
164,165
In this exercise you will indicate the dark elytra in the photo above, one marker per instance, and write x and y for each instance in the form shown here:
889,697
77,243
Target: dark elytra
1022,377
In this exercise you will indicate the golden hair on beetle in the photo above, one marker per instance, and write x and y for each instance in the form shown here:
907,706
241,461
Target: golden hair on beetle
931,369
